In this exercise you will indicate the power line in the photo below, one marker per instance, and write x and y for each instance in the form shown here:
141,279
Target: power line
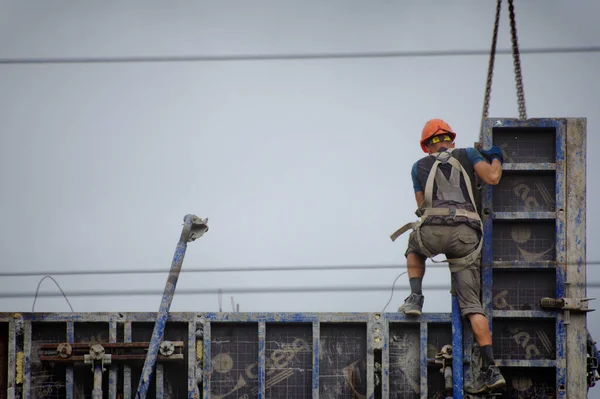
237,290
236,269
286,57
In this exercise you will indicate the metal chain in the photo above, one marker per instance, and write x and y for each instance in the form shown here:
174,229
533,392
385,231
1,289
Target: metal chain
488,87
517,62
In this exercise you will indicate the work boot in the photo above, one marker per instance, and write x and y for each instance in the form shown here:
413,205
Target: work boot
413,305
486,381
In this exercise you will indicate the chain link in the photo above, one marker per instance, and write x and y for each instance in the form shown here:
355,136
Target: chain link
488,87
517,61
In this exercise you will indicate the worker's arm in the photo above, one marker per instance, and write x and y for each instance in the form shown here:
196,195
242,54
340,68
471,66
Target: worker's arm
489,173
419,197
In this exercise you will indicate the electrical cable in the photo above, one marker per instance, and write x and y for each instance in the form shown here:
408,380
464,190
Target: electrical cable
237,290
284,57
38,288
239,269
392,293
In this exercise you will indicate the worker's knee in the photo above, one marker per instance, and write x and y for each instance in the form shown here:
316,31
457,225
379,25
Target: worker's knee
475,315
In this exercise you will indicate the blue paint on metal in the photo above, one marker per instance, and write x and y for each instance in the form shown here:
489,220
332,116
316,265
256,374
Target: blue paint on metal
525,363
27,355
538,314
161,319
457,350
98,317
559,165
524,265
423,359
207,362
524,215
315,372
561,255
192,359
541,167
112,374
127,337
69,378
425,317
385,360
261,359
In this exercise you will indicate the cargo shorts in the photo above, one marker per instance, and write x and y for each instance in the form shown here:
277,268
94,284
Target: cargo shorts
454,242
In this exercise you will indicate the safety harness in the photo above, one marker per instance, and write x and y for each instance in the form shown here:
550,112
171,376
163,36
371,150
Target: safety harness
449,190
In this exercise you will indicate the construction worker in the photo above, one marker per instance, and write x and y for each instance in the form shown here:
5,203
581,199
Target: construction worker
449,224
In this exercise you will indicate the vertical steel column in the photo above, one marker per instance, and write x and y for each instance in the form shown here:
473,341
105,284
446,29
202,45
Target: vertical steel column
486,216
192,359
160,381
193,228
576,254
112,373
207,362
127,337
316,334
423,360
457,349
385,359
12,359
69,378
27,356
370,359
561,271
97,391
262,331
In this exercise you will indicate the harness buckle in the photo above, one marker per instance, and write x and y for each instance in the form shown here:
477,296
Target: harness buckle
452,213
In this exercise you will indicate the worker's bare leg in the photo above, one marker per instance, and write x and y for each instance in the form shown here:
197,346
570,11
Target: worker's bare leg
481,329
415,265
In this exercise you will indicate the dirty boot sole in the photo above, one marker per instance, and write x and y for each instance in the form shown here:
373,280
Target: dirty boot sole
487,388
413,312
497,384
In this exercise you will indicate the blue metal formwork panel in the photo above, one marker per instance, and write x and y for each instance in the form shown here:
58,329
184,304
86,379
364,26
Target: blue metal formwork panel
524,261
534,248
228,355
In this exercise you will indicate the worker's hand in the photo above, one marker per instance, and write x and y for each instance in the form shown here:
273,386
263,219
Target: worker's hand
493,153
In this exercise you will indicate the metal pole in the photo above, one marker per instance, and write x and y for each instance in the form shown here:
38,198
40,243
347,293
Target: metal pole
457,349
193,228
97,392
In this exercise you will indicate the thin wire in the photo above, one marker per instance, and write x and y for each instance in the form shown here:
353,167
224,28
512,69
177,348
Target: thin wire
238,269
392,293
38,288
284,57
240,290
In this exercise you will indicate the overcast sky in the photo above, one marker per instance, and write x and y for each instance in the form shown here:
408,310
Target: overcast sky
294,162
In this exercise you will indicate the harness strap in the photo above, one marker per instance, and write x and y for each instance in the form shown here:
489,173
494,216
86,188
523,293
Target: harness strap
402,230
449,212
456,264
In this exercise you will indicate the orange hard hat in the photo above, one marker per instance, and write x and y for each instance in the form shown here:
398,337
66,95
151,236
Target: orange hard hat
434,127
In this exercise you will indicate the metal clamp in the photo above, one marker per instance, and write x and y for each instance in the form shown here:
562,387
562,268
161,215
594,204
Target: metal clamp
568,305
97,354
444,360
